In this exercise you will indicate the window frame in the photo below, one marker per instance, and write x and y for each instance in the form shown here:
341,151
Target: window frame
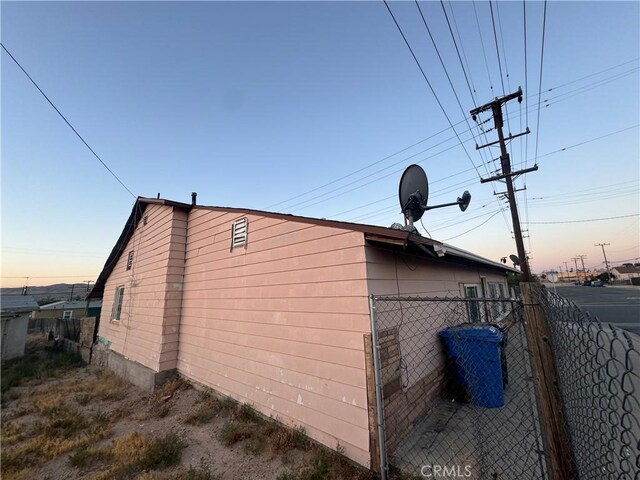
476,310
64,314
118,300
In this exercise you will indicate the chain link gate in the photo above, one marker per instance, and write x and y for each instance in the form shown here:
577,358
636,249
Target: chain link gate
433,424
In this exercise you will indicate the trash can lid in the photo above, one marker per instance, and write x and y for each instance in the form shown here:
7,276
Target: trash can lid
487,333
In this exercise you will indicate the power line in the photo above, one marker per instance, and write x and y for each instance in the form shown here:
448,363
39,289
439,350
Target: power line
67,121
544,24
585,220
430,87
495,37
589,141
474,228
424,140
455,44
435,46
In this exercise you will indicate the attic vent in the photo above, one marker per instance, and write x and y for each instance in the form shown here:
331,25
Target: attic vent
239,231
130,260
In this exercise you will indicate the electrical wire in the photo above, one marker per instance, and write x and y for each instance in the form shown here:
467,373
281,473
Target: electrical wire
474,228
585,220
67,122
430,87
455,93
544,25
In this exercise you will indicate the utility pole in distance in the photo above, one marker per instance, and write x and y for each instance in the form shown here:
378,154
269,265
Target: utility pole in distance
606,262
584,271
496,108
575,260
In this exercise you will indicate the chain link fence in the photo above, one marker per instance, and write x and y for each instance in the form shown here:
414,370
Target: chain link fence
599,377
457,394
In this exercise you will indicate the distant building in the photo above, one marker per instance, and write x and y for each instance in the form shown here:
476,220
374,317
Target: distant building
15,311
62,309
626,272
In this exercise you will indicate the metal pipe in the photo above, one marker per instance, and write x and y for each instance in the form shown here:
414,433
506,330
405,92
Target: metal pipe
384,467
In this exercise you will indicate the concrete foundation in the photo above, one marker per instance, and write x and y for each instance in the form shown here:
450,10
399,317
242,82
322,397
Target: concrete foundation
133,372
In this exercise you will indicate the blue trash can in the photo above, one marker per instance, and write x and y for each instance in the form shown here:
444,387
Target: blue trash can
475,351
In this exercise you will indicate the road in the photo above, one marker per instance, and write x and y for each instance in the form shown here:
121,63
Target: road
618,305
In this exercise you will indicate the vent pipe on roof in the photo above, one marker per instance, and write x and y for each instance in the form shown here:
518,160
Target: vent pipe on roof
193,197
158,197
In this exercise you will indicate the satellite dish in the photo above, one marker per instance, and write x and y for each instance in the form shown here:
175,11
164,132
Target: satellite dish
464,201
413,192
515,259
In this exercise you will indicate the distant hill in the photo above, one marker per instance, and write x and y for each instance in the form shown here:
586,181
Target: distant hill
58,291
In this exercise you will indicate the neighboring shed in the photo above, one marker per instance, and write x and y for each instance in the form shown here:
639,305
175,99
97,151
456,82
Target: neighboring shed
267,308
62,309
15,311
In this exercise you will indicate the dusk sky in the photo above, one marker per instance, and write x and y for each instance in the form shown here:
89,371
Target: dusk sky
316,108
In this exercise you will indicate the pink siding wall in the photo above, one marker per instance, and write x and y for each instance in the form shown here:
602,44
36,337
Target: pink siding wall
280,323
419,276
148,328
427,277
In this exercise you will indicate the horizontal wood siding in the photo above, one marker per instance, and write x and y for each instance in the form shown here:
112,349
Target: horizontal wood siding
148,326
279,323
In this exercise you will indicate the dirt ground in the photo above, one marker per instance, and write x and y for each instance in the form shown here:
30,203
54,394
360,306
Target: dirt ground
65,420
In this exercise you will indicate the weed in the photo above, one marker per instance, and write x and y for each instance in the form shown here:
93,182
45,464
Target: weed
226,405
233,432
203,472
283,439
203,414
85,456
256,442
159,410
107,386
12,433
287,476
246,413
38,362
66,425
83,399
162,452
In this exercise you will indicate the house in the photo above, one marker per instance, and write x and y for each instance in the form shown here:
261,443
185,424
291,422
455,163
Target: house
267,308
62,309
15,311
626,272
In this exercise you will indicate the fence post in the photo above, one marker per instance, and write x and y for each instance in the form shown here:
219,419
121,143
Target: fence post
552,412
378,383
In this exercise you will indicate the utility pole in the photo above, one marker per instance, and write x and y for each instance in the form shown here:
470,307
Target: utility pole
584,271
566,267
71,296
575,260
606,262
496,108
88,282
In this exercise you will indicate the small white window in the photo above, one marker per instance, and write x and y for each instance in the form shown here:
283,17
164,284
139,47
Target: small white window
67,314
239,230
117,304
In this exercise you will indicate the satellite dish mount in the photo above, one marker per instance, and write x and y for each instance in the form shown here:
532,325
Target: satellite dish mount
414,194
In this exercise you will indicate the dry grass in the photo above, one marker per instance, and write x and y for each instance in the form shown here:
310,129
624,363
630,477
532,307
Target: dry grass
134,454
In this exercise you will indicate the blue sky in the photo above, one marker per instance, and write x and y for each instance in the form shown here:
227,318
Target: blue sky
258,104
